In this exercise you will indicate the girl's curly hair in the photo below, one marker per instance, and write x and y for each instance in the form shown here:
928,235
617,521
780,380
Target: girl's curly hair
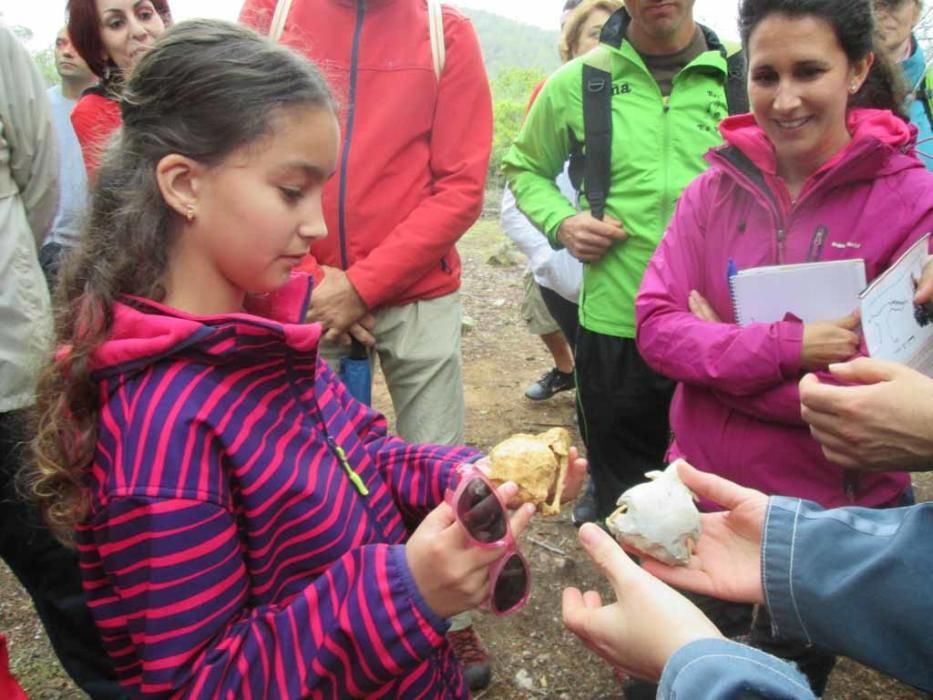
205,89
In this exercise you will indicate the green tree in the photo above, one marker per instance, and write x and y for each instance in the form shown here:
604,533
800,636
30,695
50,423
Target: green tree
44,59
506,43
45,62
511,89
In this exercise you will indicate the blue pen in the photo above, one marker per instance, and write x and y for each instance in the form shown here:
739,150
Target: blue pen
731,270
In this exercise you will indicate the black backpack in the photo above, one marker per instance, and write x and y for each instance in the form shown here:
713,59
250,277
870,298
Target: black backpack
589,165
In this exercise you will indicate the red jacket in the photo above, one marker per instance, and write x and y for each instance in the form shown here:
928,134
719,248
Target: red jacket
94,119
412,168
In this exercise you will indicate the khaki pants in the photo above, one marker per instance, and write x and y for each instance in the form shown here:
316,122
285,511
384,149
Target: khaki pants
534,311
418,346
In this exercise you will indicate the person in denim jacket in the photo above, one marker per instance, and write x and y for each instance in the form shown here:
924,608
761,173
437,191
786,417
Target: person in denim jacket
849,579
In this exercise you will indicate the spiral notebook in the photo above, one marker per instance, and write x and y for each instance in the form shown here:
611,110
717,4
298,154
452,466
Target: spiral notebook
816,291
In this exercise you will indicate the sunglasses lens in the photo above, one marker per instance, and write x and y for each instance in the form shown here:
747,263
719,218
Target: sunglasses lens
481,513
511,586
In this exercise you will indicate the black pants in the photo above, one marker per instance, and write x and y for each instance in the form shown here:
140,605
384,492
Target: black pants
50,260
565,313
49,573
623,406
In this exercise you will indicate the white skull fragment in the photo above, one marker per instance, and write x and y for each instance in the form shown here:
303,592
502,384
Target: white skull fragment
658,518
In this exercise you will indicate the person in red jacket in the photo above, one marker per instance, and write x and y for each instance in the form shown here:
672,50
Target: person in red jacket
111,36
410,180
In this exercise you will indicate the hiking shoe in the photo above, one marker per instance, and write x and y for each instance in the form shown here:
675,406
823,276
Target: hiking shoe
584,510
473,658
551,382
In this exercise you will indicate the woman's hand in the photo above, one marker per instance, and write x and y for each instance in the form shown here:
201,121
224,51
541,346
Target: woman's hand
451,572
924,293
826,342
646,624
727,561
884,423
701,308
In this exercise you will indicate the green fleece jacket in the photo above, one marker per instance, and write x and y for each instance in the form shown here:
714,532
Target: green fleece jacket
658,145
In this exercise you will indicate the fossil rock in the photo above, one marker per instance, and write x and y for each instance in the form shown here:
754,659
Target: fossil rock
537,463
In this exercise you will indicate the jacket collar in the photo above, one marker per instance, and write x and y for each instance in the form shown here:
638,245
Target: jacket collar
616,27
743,132
368,4
881,145
144,331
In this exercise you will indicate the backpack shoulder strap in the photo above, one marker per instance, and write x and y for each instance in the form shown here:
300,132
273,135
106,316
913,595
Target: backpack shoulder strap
278,19
597,130
736,88
438,42
925,94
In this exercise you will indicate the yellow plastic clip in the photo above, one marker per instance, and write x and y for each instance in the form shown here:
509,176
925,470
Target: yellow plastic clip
354,477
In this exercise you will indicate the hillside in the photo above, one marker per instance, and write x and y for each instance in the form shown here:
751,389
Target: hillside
508,43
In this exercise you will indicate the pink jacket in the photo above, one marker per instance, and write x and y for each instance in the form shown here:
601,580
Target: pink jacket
736,410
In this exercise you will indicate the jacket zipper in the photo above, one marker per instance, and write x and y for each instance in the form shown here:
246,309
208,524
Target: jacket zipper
340,454
780,246
665,158
816,244
348,138
850,484
355,478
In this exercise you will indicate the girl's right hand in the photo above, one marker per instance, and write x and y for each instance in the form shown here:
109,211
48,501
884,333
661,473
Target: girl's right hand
826,342
450,571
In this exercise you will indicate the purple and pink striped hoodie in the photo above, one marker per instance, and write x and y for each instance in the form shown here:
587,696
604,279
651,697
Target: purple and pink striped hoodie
227,552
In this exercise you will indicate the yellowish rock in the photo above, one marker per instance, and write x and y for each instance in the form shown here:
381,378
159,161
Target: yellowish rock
536,463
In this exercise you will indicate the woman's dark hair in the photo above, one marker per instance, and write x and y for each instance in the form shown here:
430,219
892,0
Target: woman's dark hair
853,22
206,89
84,30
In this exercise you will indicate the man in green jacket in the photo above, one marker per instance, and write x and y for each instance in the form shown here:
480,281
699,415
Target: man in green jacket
668,96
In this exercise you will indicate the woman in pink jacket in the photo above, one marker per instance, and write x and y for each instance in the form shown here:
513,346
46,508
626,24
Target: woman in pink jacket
823,169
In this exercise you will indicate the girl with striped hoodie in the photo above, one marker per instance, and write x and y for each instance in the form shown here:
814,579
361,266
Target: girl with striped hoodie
246,529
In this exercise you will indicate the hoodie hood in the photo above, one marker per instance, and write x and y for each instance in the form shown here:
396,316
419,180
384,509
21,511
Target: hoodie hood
144,331
865,125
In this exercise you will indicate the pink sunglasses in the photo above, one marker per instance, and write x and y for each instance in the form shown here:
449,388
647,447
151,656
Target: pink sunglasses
485,518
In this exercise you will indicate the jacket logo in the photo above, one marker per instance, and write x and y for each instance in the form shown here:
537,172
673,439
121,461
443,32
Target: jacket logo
622,89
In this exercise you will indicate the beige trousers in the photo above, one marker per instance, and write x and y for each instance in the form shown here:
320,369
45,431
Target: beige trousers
419,351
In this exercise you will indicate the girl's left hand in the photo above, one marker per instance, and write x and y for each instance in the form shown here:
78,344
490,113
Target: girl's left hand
701,308
576,474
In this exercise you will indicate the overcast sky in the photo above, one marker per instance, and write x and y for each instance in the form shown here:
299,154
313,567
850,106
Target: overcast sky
44,17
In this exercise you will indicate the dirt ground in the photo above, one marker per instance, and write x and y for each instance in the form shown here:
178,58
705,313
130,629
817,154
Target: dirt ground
534,656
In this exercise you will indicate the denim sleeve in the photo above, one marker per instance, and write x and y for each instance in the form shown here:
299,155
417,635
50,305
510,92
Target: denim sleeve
854,581
718,668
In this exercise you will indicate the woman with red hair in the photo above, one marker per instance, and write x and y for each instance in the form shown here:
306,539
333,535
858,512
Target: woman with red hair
111,36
